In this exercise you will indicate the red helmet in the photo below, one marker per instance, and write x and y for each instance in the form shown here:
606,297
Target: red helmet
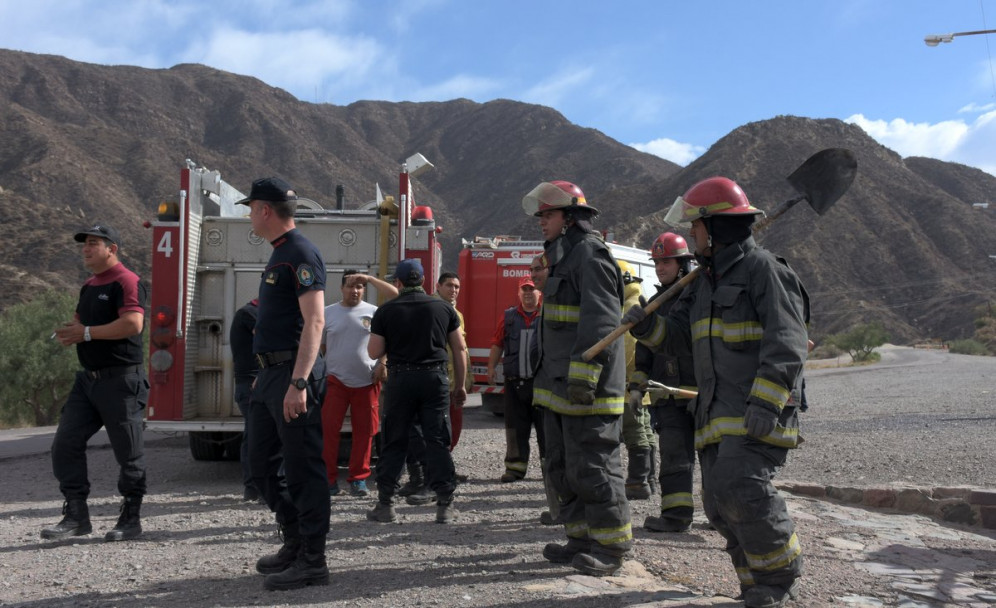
669,245
710,197
555,195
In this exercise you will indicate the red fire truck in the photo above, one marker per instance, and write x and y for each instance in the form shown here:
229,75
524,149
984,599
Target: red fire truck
206,263
490,269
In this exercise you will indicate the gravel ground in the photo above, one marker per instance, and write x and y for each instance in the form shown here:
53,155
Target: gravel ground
923,418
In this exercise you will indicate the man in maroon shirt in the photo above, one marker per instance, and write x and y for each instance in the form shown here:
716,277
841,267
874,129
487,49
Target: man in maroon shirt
111,391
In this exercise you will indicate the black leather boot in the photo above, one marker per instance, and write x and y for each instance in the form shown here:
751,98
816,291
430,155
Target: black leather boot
75,521
129,524
285,556
308,569
416,480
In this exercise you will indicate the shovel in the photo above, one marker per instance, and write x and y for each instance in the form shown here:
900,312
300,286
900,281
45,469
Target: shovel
821,181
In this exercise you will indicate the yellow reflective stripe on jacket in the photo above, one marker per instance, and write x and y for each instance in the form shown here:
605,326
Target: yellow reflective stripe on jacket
678,499
563,313
611,536
734,425
714,327
656,336
602,405
587,372
777,559
769,392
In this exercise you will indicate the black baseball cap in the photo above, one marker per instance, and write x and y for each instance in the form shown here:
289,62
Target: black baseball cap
100,230
271,189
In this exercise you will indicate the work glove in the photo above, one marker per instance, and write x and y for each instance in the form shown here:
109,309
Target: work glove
580,393
638,318
759,420
635,399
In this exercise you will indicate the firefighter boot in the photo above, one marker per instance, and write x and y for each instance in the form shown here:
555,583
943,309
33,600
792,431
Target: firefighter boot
596,564
445,513
773,596
563,554
129,524
285,556
416,480
75,521
309,568
637,487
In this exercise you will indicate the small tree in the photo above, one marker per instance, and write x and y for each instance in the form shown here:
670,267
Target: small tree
861,341
37,371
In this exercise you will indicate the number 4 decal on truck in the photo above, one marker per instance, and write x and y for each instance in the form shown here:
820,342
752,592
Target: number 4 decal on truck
166,243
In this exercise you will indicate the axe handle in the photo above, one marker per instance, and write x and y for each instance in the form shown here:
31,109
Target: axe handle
671,292
674,392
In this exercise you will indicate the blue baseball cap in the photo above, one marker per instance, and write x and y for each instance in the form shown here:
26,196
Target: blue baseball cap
409,271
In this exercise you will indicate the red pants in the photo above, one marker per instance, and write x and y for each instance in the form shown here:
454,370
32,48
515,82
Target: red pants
362,402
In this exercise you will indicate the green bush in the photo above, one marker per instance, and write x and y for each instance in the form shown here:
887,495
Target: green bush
825,351
968,347
861,341
37,371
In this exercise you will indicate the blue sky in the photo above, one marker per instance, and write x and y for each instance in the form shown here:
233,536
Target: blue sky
664,76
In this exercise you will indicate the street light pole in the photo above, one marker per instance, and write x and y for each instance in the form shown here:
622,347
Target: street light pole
935,39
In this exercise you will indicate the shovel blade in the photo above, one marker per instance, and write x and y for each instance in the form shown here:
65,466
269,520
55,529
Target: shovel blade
825,177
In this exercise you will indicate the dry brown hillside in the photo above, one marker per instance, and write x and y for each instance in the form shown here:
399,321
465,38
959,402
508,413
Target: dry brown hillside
85,143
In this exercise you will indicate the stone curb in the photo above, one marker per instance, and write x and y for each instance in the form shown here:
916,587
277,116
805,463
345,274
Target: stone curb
959,505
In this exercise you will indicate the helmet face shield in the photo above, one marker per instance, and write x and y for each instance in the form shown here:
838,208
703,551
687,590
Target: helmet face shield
554,195
676,215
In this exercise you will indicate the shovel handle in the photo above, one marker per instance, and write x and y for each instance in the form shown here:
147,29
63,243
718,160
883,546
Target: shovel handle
775,213
671,292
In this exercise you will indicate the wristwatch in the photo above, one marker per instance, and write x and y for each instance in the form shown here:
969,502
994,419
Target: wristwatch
299,383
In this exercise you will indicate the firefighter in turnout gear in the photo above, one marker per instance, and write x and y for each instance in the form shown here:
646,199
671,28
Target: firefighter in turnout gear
744,322
637,433
582,298
669,415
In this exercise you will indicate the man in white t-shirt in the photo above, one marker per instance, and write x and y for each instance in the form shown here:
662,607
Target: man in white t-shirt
353,379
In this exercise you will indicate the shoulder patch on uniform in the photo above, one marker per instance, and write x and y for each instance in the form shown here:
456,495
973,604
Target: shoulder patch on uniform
305,275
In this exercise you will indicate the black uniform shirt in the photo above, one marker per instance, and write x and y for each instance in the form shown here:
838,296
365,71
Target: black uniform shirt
104,297
295,268
416,328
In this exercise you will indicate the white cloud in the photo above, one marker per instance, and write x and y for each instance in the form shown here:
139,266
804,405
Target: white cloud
671,150
295,61
949,140
974,107
937,140
559,87
462,85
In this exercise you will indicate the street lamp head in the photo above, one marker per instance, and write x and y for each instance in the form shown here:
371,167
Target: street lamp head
935,39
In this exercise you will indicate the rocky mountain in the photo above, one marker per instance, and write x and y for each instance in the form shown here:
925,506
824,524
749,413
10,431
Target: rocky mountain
84,143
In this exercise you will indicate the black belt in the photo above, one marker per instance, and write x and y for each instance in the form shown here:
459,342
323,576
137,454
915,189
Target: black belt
416,367
275,358
111,372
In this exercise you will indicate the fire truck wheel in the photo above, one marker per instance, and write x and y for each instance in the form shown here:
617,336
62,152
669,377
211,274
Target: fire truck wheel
494,403
207,446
